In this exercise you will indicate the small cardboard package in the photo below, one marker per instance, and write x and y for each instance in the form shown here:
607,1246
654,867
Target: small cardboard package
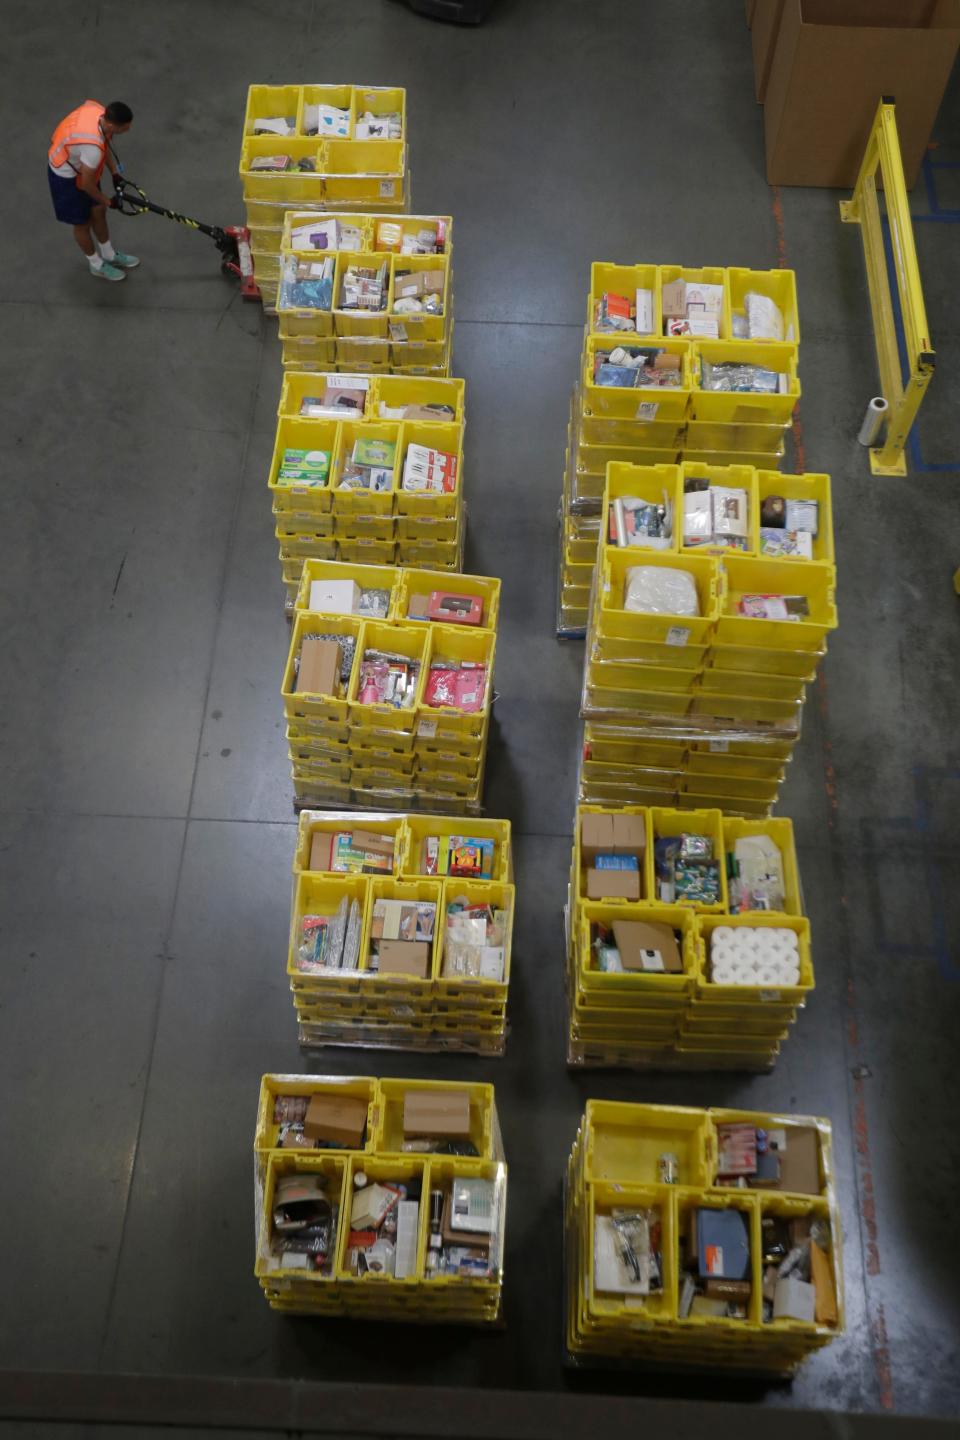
405,957
646,946
337,1119
596,837
418,282
613,884
319,667
800,1161
674,299
437,1114
629,835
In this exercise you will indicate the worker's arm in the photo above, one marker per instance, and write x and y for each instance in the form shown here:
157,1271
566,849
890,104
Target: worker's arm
87,181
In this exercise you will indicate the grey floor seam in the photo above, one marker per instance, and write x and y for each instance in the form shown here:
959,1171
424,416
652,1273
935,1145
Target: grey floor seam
225,576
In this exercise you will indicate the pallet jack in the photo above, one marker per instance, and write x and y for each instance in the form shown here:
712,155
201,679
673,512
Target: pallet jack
233,241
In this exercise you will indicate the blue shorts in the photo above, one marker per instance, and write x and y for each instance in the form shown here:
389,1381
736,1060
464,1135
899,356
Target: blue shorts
70,204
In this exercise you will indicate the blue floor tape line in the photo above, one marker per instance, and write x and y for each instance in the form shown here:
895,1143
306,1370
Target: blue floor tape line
944,213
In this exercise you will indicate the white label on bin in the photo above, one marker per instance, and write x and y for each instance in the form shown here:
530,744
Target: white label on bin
769,994
386,189
397,332
678,635
647,410
720,747
427,728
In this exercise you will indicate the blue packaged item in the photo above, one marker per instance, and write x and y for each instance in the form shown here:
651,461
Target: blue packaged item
723,1245
312,294
616,862
622,375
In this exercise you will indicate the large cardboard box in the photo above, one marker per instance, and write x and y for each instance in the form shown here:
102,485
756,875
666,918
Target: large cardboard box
440,1114
764,31
337,1119
833,63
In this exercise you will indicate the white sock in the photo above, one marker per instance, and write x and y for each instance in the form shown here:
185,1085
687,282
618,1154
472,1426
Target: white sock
95,261
106,249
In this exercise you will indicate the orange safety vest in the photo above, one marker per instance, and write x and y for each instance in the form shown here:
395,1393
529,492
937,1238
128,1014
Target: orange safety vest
81,127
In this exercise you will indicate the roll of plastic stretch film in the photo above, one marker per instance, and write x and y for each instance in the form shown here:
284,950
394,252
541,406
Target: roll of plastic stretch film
873,421
618,523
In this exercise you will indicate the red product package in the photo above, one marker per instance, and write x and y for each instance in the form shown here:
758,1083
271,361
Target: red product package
736,1149
454,609
441,686
471,688
458,687
618,305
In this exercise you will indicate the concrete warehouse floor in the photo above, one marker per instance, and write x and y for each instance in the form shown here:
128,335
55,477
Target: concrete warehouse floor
146,822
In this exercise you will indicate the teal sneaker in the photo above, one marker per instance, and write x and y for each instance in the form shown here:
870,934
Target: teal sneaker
107,272
123,262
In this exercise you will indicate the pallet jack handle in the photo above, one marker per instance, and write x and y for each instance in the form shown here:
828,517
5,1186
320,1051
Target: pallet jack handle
233,241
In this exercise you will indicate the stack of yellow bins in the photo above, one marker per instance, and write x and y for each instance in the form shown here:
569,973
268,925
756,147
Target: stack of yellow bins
673,1264
448,881
327,1148
678,364
318,148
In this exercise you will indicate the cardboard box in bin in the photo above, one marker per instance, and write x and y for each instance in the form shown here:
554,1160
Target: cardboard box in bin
612,835
336,1119
440,1114
833,63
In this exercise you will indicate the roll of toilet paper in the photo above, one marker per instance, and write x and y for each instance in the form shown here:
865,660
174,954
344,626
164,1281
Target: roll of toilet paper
723,934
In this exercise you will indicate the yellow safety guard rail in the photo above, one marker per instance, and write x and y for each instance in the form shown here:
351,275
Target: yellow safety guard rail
903,397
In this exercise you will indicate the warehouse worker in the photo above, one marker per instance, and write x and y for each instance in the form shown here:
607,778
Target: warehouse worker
79,149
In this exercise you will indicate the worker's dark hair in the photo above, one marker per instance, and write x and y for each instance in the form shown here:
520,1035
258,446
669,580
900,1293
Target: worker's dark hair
118,113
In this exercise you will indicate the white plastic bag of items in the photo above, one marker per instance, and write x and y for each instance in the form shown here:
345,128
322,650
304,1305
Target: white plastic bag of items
654,590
